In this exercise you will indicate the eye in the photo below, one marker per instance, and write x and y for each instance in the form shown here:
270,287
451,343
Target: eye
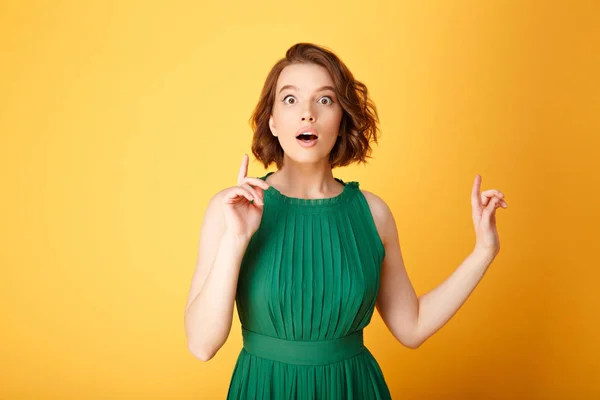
289,96
326,97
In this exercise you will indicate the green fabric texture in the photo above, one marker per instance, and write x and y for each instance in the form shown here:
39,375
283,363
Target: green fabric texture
307,288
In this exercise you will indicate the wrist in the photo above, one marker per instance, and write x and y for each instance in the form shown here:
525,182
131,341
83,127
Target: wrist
236,238
484,254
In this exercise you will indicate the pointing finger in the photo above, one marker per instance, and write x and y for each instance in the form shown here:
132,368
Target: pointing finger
243,169
475,199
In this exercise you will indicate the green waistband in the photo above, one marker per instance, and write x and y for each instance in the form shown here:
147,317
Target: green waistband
304,352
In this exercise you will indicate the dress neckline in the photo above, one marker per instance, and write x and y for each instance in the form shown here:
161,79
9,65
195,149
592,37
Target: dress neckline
297,201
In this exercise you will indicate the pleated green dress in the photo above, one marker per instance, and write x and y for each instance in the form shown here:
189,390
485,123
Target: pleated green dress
306,289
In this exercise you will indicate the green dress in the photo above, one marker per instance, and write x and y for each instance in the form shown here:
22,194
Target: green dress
306,289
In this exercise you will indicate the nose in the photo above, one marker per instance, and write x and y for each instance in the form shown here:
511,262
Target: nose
308,115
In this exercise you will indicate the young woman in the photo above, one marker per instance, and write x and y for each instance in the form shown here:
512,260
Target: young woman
306,256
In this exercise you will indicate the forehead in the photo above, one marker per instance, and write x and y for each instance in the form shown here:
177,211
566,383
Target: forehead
304,76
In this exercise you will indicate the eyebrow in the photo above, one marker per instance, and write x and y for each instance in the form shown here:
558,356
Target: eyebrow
322,88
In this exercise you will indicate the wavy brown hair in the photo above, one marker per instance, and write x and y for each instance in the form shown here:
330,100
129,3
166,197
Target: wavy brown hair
358,126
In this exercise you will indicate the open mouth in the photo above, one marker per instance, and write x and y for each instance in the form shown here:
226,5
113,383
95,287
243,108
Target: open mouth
306,137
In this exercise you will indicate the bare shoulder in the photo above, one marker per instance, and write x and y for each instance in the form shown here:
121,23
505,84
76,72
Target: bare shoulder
214,217
214,204
377,205
213,221
217,199
382,214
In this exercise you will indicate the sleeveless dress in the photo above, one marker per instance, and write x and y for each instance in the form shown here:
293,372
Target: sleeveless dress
306,289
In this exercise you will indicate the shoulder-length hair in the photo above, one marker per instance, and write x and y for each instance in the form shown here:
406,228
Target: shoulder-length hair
358,126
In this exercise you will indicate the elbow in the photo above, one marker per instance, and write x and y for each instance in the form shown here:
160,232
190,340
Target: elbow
413,344
410,341
415,341
198,346
203,345
201,353
202,348
414,338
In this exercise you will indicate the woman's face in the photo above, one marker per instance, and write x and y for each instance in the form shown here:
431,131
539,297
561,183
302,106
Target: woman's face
304,99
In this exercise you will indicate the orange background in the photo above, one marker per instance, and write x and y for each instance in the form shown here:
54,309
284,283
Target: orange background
119,120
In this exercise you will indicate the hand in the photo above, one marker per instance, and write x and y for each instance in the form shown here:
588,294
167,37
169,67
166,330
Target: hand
243,204
484,207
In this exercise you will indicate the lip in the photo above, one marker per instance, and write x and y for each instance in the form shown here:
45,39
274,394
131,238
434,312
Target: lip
312,131
307,144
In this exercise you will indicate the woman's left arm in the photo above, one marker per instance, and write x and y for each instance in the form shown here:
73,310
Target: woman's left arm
413,319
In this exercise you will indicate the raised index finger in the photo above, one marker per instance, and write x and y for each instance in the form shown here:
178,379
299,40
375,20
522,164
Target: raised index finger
475,198
243,169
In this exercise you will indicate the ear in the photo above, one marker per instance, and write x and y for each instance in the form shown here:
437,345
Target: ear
272,126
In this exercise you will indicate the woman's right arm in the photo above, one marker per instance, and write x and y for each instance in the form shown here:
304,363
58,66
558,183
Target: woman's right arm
209,309
231,218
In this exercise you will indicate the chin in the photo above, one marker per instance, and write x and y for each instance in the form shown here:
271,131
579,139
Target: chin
307,158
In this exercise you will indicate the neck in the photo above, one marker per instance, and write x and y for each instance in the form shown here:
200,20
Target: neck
305,180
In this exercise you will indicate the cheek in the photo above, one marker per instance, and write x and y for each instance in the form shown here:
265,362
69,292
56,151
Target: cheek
284,124
332,119
283,117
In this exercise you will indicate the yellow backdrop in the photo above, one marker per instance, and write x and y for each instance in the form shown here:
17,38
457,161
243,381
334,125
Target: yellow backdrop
119,121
